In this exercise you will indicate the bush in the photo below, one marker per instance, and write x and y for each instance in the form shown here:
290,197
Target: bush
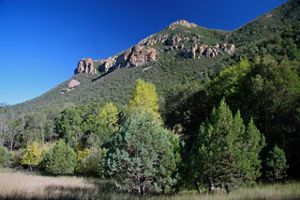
4,157
276,165
60,160
143,156
93,163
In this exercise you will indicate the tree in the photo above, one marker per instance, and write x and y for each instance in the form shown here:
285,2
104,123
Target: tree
228,152
32,155
68,125
144,98
143,156
276,165
102,126
60,160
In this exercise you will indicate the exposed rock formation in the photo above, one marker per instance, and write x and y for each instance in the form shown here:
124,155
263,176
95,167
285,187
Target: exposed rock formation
141,55
182,23
186,43
154,39
86,65
208,51
73,83
133,57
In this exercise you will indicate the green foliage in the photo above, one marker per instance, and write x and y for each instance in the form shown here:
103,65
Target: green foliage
102,126
93,164
226,82
276,165
32,155
228,152
4,157
143,156
60,160
88,125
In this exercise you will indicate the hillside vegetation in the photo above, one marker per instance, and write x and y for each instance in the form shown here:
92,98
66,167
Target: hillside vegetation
213,123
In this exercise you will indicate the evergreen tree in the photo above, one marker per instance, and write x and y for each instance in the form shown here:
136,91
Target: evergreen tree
143,156
276,165
228,152
60,160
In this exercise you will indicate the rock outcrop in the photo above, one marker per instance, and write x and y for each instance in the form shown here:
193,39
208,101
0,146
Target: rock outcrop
187,43
133,57
197,51
86,65
73,83
141,55
182,23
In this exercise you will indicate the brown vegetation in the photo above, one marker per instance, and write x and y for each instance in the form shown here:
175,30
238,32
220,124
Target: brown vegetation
25,186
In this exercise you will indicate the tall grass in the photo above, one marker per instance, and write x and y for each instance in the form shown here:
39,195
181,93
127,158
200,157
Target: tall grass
24,186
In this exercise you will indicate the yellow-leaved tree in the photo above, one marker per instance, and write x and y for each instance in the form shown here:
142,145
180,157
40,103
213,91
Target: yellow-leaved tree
144,98
32,155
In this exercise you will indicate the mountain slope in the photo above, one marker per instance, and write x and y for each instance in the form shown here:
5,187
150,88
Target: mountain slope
169,69
179,59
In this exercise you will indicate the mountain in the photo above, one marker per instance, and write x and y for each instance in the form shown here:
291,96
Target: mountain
180,53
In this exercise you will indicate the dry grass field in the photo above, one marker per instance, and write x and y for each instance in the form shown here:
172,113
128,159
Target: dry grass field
30,186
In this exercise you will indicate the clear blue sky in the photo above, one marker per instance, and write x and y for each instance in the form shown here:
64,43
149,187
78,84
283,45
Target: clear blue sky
41,41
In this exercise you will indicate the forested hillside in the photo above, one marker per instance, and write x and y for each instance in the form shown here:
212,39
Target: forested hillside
228,115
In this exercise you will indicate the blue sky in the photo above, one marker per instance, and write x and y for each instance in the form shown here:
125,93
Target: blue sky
41,41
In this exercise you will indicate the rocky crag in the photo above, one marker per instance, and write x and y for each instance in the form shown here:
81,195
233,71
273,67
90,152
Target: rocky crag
148,50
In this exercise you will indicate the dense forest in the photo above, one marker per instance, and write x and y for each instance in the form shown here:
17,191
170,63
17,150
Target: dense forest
234,124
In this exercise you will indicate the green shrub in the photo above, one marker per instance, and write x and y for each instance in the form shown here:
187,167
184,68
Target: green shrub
93,163
60,160
4,157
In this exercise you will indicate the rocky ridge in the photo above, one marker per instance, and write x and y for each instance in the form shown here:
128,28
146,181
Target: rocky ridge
148,50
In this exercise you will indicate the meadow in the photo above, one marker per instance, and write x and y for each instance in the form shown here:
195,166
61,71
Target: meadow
30,186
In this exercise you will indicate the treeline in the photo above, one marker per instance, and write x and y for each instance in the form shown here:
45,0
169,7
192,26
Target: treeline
210,141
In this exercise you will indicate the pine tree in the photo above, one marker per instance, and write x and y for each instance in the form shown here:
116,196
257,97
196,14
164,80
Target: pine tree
143,156
228,152
253,143
276,164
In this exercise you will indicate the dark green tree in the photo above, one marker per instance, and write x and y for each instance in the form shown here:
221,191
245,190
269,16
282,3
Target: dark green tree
228,152
276,165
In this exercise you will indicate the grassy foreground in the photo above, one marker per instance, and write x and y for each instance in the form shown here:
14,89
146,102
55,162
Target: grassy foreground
20,185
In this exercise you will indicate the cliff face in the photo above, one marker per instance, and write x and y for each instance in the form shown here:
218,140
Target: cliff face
86,65
187,44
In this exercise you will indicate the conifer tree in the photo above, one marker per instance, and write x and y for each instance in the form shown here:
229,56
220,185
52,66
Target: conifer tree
276,164
143,156
228,151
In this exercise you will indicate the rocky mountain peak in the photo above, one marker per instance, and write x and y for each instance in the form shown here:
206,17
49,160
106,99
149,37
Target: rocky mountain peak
182,22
